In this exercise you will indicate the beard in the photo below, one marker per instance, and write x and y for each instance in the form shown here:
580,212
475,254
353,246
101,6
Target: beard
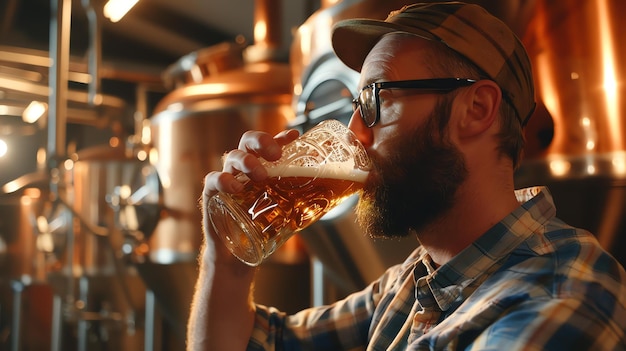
411,188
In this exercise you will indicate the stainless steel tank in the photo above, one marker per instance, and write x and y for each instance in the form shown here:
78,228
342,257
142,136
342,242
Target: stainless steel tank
345,260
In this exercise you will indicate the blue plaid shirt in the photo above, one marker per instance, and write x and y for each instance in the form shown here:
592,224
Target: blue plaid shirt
529,283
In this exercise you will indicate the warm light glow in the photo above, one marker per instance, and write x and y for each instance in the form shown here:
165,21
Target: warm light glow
41,157
11,187
114,142
34,111
202,89
153,156
305,41
260,31
619,163
609,74
68,164
559,167
260,67
142,155
175,107
590,133
26,200
4,148
146,133
591,169
114,10
585,121
165,159
297,89
550,94
125,191
45,242
196,74
42,224
32,193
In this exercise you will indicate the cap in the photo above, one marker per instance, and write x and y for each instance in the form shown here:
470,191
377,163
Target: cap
467,29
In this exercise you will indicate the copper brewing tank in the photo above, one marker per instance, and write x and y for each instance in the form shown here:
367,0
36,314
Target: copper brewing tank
194,125
220,93
576,139
191,129
324,88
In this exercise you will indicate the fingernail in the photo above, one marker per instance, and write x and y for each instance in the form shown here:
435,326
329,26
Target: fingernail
259,172
237,187
274,150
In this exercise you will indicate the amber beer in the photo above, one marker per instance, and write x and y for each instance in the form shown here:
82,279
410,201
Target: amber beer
286,203
317,171
295,200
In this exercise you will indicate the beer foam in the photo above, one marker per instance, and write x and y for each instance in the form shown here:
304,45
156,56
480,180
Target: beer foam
331,170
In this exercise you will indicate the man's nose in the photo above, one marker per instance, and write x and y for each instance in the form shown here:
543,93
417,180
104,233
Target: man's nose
358,127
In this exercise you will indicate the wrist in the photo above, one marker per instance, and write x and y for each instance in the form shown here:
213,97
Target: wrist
223,261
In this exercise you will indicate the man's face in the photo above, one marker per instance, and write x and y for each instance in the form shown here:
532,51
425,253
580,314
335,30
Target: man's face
416,168
414,183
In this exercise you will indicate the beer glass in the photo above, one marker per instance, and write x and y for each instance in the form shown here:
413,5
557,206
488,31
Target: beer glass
316,172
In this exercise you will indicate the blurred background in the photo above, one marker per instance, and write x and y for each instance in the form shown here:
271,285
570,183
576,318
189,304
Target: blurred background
108,125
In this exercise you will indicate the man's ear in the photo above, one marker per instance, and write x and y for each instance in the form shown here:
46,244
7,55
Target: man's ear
479,108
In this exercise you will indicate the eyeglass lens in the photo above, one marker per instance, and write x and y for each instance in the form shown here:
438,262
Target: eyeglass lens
367,101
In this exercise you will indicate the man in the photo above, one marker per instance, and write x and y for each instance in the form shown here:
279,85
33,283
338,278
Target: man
446,91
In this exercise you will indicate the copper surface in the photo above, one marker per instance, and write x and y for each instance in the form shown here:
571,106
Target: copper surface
579,68
205,116
267,19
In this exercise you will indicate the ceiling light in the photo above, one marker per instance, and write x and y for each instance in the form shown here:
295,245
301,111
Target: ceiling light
4,148
114,10
34,111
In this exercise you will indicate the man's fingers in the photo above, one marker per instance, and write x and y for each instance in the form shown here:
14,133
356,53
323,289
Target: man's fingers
238,161
220,181
286,136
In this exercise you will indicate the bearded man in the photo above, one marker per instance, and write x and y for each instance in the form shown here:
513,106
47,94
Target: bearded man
446,91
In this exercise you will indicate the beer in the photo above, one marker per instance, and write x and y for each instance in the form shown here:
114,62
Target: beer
289,200
316,172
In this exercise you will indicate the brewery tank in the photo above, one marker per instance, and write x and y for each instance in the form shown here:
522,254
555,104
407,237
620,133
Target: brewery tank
577,138
195,124
574,142
218,93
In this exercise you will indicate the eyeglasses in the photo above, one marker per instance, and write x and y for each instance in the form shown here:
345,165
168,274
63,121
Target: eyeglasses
368,99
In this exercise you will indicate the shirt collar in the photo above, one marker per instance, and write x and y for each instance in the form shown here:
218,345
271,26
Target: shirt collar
447,283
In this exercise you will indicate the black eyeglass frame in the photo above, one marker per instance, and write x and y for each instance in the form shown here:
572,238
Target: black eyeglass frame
435,85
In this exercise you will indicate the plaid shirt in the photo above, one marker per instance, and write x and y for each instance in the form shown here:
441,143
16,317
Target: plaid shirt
529,283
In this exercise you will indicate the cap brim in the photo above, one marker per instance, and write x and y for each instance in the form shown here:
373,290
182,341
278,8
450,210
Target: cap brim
353,39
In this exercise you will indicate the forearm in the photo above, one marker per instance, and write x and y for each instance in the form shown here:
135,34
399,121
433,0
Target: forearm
222,313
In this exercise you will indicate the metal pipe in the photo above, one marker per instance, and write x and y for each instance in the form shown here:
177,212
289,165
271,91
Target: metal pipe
94,53
82,323
60,18
18,289
267,20
57,323
150,321
267,31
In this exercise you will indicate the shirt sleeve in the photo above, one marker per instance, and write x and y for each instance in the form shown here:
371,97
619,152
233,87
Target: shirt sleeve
344,325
